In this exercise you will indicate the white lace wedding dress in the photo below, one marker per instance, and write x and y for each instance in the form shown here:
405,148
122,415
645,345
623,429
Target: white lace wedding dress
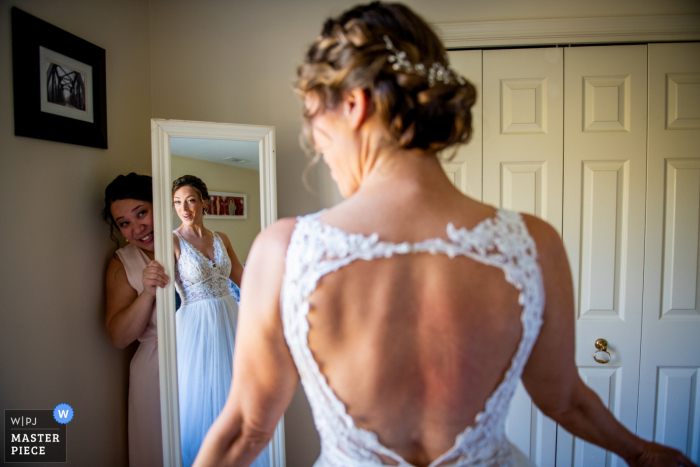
205,327
316,249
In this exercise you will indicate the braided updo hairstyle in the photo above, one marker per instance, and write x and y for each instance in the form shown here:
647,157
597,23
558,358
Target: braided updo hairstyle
351,53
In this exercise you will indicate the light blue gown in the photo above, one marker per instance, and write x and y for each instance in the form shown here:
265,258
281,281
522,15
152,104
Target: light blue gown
205,330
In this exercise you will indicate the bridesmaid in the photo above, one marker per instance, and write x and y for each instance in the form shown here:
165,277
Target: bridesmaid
131,281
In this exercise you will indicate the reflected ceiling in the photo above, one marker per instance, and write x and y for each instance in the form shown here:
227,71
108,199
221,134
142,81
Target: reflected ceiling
239,153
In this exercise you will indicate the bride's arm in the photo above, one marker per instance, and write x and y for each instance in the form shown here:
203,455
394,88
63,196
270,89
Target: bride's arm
551,377
264,376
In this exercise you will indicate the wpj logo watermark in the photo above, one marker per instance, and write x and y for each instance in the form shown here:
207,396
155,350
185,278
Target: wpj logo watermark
37,435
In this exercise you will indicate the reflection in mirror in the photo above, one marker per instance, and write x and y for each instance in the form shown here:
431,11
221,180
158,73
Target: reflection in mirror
216,201
242,201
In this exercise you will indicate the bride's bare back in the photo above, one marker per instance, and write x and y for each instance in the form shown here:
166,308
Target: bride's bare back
413,345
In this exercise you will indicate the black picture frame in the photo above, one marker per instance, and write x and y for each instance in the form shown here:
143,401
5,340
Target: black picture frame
31,37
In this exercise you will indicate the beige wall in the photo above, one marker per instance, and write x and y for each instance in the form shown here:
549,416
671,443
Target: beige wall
212,60
55,246
229,179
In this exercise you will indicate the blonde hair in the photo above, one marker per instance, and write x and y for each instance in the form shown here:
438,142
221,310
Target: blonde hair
351,53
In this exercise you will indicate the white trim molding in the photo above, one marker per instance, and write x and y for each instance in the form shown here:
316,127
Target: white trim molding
569,31
161,132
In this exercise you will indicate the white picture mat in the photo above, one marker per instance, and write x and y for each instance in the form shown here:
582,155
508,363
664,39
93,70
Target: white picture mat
46,57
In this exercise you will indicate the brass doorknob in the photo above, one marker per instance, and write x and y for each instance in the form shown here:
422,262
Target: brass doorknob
602,346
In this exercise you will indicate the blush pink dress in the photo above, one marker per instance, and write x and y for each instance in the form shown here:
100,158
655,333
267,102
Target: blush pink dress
145,439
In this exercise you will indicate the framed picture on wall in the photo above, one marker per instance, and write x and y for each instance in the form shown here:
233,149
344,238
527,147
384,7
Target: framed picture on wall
227,206
59,79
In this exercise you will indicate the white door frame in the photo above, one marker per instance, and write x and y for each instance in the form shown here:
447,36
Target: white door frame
625,29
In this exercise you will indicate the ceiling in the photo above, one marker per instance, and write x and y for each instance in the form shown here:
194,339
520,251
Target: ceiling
244,153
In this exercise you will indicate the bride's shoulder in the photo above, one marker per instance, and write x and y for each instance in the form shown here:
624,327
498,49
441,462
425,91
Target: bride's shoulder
551,254
276,236
541,231
269,250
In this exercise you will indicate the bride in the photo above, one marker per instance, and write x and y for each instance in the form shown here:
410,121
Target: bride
206,321
409,311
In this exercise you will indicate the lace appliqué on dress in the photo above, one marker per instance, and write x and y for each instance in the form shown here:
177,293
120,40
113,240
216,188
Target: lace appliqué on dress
200,280
316,249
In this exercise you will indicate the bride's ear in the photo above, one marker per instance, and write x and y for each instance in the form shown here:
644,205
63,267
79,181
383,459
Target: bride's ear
356,107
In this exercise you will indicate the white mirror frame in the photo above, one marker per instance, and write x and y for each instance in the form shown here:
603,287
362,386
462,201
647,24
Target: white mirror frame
161,132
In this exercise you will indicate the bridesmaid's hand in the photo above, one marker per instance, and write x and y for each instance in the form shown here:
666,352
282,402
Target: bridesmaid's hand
154,276
657,455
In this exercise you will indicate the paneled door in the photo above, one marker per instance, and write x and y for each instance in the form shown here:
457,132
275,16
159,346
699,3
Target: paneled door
669,393
584,161
605,122
464,166
523,159
523,131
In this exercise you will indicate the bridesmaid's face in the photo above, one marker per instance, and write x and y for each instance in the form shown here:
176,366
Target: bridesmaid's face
135,221
189,205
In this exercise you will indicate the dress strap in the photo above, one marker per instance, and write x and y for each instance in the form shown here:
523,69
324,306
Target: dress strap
134,262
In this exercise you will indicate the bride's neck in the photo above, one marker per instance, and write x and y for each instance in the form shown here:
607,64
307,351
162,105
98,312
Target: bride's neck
384,164
195,230
404,167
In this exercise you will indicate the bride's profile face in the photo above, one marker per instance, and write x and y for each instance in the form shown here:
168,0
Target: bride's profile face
188,205
334,138
135,221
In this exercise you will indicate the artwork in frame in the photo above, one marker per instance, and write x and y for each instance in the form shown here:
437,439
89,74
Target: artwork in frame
59,80
227,206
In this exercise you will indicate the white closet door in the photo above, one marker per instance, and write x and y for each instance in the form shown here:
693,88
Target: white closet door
669,393
523,158
604,192
523,131
464,169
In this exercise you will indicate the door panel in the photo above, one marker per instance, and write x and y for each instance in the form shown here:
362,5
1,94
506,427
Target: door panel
669,401
604,193
574,451
621,270
523,159
523,131
530,430
464,169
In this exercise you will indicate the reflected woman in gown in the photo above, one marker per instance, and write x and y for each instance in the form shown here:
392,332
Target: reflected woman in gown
206,320
131,281
409,311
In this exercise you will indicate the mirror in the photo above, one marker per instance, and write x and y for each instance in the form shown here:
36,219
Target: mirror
237,163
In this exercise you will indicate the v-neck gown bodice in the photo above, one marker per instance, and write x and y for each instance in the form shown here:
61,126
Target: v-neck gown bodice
197,277
205,326
317,249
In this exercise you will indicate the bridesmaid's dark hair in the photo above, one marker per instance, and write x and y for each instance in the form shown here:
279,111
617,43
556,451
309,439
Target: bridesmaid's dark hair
132,186
197,184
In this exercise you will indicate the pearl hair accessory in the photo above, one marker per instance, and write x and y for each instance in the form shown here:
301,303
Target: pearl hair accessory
436,72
